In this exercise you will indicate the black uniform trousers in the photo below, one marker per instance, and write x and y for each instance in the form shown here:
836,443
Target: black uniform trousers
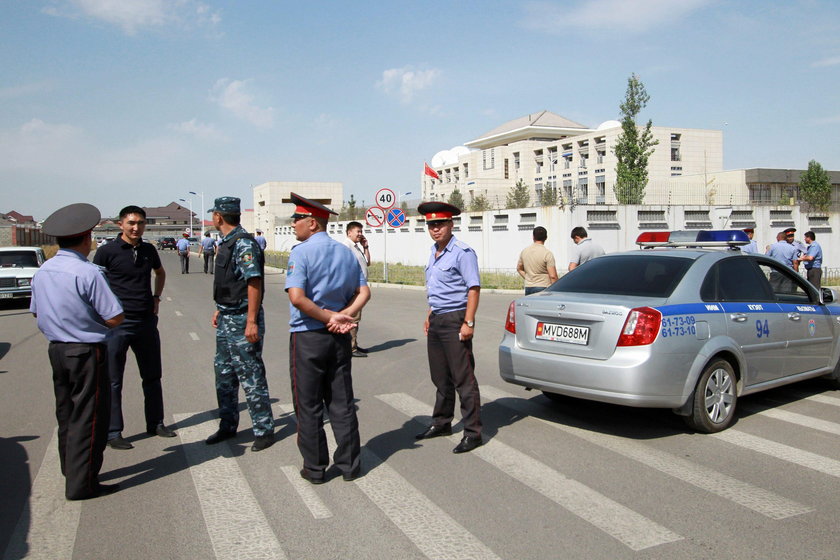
209,261
80,381
140,333
452,367
319,365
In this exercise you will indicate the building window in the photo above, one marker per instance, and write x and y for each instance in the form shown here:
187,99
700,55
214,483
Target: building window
489,158
600,190
515,162
507,173
675,154
466,170
583,191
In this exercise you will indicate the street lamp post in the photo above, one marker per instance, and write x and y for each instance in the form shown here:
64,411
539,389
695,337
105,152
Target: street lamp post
201,219
191,213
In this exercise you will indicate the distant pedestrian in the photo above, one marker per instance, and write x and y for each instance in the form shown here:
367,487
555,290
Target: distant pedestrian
208,249
75,309
783,250
536,264
326,289
813,260
452,289
586,249
183,247
752,246
239,321
261,241
356,241
129,263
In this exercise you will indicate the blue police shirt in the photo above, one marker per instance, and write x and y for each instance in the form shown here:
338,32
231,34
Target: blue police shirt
71,298
328,274
208,243
814,250
450,276
783,252
183,245
751,247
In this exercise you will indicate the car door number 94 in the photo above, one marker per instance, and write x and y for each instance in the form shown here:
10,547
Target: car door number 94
762,328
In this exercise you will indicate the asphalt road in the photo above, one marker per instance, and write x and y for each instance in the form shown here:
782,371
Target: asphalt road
569,480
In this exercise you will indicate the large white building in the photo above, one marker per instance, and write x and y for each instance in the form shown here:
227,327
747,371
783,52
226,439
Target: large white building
546,150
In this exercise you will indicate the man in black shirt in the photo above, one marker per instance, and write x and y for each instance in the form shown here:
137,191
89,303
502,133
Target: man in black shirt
128,262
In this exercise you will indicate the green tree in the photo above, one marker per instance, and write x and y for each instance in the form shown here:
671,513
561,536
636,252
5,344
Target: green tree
349,211
480,203
815,186
549,196
518,196
634,146
456,199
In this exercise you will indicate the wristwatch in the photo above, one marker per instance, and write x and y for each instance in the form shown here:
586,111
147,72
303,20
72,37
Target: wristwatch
470,324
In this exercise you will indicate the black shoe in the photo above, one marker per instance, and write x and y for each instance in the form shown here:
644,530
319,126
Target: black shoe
468,444
101,490
362,350
350,476
220,436
160,430
435,431
358,354
263,442
306,474
119,442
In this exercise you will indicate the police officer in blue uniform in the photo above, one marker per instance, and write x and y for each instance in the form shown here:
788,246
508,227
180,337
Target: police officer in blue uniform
452,289
786,253
129,263
75,309
813,259
240,328
326,288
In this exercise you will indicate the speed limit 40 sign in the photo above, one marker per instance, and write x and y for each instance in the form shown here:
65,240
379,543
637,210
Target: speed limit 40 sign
385,198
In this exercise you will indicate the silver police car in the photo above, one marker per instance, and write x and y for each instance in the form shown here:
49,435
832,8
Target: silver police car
675,325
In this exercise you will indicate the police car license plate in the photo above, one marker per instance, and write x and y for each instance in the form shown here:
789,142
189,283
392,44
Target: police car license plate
563,333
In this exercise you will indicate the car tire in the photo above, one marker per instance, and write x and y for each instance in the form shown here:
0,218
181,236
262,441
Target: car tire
834,377
715,398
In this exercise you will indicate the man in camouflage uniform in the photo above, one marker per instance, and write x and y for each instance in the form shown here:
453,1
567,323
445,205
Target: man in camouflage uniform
240,327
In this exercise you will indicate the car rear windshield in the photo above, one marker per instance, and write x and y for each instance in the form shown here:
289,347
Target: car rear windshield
627,275
18,259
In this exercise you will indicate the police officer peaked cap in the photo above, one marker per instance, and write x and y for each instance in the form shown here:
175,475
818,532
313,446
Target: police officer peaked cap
226,205
305,208
790,230
438,211
71,220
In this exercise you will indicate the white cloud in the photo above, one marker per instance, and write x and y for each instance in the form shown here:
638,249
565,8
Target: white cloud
406,82
233,96
829,61
198,129
617,15
133,15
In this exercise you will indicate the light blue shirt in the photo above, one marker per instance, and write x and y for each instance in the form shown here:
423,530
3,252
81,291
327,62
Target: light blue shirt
71,298
783,252
450,276
183,244
751,247
328,274
208,243
814,250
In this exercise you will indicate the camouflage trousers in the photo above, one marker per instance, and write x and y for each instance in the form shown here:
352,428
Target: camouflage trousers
239,362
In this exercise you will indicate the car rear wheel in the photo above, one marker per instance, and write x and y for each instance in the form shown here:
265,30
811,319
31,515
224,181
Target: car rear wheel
715,398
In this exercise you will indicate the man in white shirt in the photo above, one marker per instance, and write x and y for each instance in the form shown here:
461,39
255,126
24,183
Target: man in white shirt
357,243
586,249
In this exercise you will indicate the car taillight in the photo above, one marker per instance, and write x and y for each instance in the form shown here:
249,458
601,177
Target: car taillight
510,320
641,327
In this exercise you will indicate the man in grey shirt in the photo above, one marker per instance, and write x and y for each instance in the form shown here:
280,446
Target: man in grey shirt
586,248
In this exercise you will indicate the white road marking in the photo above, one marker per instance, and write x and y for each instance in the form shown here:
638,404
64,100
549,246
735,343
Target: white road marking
781,451
307,494
235,522
168,298
49,522
800,420
193,336
631,528
179,314
824,399
757,499
432,530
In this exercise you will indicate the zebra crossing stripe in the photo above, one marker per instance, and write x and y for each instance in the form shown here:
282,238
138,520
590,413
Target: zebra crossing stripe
51,521
307,494
781,451
432,530
628,527
747,495
823,399
799,420
235,522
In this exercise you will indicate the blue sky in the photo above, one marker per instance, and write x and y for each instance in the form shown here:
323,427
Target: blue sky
118,102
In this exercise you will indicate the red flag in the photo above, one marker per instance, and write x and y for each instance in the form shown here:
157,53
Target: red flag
430,172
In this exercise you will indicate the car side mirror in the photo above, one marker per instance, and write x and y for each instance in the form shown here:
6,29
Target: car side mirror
826,295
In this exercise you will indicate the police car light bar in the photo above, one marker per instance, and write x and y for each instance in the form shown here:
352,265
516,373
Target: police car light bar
703,238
